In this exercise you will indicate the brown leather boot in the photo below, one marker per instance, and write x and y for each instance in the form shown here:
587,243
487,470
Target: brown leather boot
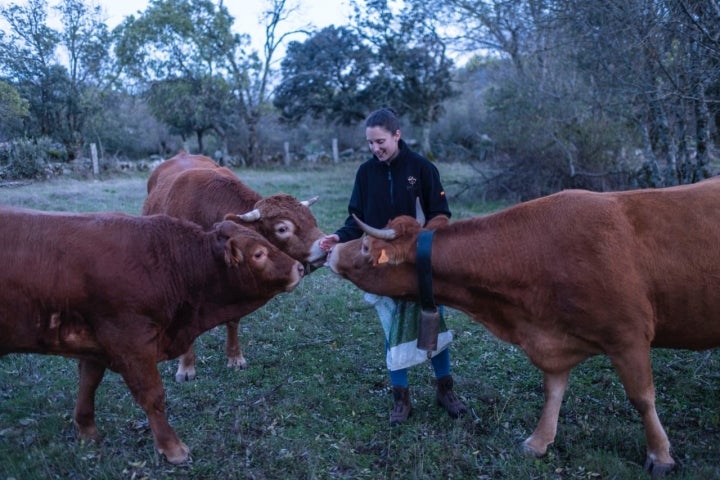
402,407
447,399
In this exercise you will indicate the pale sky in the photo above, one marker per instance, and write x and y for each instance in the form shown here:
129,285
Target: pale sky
247,13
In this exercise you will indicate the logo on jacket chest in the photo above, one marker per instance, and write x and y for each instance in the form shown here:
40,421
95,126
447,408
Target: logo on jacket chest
411,181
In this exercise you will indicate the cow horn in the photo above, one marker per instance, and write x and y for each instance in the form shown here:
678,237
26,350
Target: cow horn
251,216
419,214
309,202
384,233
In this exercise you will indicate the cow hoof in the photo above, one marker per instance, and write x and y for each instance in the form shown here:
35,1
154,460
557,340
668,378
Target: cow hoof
89,434
527,450
657,470
186,376
237,363
181,454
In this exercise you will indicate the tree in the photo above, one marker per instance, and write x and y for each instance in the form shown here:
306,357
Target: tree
252,73
390,59
61,95
662,66
413,71
325,77
189,106
13,109
27,59
586,87
179,49
191,43
85,39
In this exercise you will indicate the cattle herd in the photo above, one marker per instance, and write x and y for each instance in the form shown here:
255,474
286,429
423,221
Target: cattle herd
565,277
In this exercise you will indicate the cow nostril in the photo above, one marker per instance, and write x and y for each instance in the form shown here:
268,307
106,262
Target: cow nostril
301,269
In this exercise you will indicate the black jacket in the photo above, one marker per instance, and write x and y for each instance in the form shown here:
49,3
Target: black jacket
384,191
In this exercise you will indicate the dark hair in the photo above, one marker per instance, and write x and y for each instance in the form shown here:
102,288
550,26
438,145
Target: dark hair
385,118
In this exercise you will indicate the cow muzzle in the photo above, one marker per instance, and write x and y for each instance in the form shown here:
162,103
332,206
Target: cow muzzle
298,272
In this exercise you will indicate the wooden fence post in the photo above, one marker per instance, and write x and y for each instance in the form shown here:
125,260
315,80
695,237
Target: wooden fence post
94,155
286,146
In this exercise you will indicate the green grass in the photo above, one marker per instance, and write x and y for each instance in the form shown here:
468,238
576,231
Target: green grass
314,402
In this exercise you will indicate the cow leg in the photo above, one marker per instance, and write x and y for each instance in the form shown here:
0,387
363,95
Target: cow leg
91,374
186,366
232,347
635,371
145,384
554,386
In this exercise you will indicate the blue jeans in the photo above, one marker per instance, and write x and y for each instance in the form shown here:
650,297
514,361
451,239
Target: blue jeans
440,364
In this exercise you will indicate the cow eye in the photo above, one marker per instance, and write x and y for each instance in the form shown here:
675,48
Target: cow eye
365,247
284,229
260,253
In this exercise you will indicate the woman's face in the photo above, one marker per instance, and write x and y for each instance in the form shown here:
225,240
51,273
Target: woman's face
383,144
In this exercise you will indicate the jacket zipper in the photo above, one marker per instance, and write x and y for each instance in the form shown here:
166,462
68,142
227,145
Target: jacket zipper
392,197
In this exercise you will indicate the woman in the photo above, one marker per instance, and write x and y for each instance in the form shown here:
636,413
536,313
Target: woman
387,186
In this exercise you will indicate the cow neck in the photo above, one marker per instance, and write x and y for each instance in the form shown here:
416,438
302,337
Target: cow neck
424,269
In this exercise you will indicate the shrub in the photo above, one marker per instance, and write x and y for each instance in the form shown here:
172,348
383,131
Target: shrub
27,158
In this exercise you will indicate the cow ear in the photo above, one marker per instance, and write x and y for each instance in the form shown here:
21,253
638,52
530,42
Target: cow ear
233,254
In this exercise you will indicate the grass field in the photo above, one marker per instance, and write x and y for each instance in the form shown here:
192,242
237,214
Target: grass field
315,400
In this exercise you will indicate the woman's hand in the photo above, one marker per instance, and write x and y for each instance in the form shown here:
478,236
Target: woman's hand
328,242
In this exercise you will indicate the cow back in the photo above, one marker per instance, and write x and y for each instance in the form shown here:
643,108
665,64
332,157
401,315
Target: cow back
202,195
180,162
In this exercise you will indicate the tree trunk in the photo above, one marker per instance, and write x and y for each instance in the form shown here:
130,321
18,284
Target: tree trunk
702,134
199,134
663,143
702,116
427,151
254,155
650,165
685,169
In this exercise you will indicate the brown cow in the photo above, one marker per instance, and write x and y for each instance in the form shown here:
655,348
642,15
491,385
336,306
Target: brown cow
569,276
196,188
125,292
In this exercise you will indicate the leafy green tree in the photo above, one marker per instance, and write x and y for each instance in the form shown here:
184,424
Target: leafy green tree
85,39
173,102
390,58
27,59
60,72
191,42
414,70
177,48
325,76
13,109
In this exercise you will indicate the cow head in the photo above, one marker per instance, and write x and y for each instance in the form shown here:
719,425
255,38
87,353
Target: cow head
383,261
252,261
289,224
394,244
